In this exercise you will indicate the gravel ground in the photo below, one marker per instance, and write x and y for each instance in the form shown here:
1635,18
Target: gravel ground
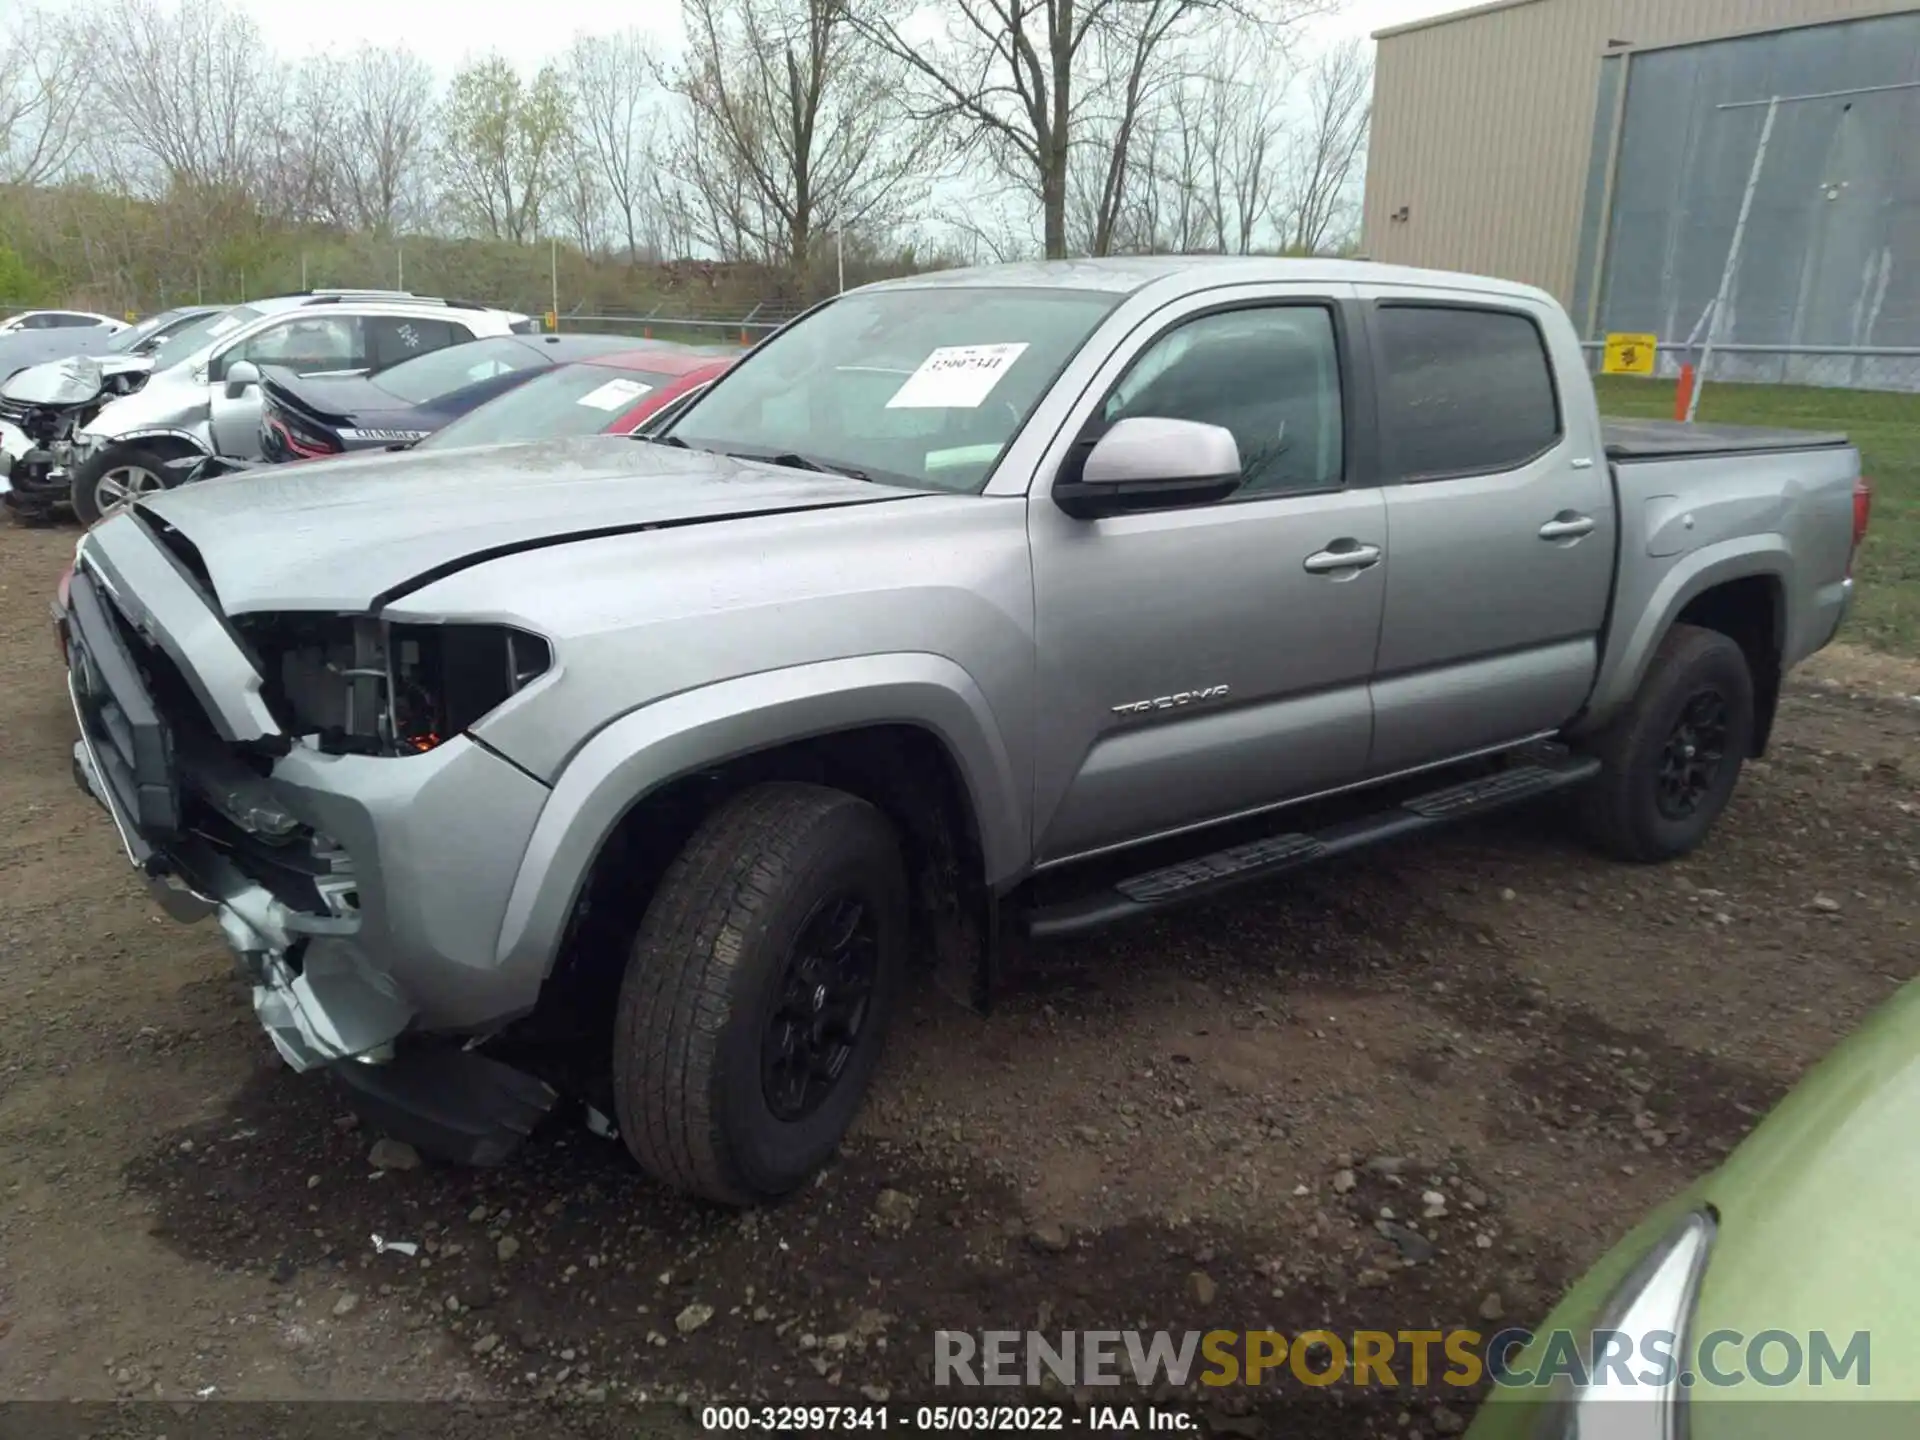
1196,1122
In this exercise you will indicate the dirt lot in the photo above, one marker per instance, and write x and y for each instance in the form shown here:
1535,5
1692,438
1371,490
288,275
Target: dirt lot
1148,1133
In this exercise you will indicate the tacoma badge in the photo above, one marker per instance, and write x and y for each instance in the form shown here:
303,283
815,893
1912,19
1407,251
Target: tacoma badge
1170,702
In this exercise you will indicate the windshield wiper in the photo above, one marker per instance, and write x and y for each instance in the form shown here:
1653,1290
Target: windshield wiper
794,460
673,440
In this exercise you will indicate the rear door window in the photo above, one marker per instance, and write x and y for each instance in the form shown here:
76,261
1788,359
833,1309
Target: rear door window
393,338
1463,391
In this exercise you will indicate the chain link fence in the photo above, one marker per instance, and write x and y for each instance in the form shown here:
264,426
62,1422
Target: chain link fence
684,325
1839,367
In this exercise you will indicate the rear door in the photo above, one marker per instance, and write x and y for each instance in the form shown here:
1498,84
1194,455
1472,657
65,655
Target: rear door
1500,518
1205,661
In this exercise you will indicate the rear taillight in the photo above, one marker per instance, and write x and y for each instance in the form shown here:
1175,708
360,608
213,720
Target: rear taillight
1862,514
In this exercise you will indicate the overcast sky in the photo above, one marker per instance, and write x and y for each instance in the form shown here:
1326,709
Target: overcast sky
446,32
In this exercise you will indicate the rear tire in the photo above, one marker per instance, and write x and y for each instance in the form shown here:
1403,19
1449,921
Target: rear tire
1671,759
104,482
739,988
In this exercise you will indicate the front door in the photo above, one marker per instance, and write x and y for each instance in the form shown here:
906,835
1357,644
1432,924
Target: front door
304,343
1500,514
1201,662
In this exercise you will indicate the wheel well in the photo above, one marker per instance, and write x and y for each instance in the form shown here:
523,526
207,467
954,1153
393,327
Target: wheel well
1748,611
170,447
904,771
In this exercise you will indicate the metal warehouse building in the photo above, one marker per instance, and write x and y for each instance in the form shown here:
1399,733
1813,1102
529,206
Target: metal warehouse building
1604,149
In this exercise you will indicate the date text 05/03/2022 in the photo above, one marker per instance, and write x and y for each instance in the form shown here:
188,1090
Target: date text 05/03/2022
939,1419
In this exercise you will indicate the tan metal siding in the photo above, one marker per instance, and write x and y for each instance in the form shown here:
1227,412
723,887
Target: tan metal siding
1482,124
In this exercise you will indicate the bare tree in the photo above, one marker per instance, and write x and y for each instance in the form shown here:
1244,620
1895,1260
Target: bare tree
503,148
1164,205
183,90
42,96
1207,135
616,105
580,201
790,128
1317,200
1243,128
302,148
1025,81
386,109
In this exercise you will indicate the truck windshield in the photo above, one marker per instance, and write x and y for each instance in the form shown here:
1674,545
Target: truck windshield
922,386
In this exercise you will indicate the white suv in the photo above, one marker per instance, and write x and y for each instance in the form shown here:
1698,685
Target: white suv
204,395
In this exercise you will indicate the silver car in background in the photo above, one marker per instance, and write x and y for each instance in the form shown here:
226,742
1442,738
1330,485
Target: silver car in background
206,401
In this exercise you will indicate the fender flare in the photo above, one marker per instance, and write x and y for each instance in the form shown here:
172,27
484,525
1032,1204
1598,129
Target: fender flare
158,432
1630,651
635,755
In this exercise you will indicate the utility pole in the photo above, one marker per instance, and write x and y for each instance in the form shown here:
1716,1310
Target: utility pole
840,253
553,271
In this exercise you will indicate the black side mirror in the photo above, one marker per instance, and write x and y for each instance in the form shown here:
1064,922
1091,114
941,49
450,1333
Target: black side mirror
1149,462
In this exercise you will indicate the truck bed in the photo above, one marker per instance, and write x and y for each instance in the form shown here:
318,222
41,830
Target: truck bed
1630,440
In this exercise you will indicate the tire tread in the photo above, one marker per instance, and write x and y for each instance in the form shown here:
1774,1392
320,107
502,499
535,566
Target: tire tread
1610,808
684,975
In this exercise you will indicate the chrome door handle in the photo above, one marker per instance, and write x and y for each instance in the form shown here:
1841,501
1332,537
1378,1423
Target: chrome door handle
1567,526
1329,562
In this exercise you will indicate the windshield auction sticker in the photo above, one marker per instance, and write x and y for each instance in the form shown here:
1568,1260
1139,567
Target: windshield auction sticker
614,394
956,377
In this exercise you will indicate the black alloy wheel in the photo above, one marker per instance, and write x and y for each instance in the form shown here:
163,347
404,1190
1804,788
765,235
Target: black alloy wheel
1691,760
826,992
1671,757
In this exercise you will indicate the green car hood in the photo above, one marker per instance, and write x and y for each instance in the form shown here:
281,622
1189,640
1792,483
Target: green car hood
1819,1231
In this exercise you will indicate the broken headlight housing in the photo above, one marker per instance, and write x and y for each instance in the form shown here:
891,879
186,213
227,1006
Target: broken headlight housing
364,686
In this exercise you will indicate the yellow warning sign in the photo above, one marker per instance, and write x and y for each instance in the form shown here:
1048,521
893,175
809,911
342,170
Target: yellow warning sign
553,322
1630,354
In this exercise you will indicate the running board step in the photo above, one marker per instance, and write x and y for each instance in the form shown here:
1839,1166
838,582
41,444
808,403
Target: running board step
1275,854
1489,791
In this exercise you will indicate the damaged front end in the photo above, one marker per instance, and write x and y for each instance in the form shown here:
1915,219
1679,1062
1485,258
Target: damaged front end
296,777
355,685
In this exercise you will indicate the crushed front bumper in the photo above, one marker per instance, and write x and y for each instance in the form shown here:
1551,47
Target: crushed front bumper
362,896
318,1005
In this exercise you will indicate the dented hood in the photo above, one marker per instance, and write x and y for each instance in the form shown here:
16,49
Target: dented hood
349,534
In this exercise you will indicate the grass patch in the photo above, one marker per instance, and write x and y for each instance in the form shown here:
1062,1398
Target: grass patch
1886,428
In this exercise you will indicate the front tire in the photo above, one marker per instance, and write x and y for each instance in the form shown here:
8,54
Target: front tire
758,991
106,481
1671,759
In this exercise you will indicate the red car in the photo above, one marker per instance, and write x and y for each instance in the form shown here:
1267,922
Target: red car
607,395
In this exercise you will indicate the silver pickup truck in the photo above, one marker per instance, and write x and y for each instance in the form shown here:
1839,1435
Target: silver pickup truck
1012,600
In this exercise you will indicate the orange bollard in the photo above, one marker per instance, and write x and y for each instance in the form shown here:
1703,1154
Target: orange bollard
1683,393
